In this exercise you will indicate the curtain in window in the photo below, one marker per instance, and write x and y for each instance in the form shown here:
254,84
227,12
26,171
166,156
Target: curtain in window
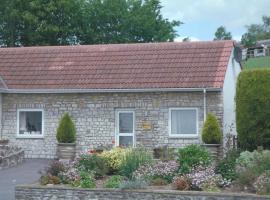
183,122
22,122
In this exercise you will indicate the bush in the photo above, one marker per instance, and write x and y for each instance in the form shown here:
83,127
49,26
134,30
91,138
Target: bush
66,132
133,159
86,180
262,184
114,158
181,183
226,166
250,165
92,163
158,181
113,182
165,170
192,156
133,184
252,109
211,133
49,179
55,168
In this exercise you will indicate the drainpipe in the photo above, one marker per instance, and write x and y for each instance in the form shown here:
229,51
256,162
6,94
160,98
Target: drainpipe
204,104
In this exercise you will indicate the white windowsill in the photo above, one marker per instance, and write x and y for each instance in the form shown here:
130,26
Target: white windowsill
29,137
183,136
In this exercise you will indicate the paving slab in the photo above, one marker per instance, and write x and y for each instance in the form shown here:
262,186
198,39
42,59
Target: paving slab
26,173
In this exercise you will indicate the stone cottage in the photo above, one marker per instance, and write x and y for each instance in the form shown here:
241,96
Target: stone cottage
120,94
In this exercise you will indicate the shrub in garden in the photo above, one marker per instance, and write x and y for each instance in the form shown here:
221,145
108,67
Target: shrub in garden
192,156
134,159
211,133
133,184
262,183
66,132
158,181
165,170
92,163
181,183
252,109
226,166
113,182
55,168
114,157
49,179
86,180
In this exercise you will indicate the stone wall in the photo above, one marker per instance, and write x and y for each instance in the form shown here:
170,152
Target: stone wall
94,116
10,156
61,193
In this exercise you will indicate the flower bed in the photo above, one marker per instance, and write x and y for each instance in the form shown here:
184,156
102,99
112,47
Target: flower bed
192,169
10,156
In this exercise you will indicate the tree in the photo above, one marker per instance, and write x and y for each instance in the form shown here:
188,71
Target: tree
66,131
222,34
211,133
62,22
186,39
256,32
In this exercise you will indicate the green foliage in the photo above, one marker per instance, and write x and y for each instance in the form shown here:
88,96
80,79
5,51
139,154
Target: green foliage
252,113
133,184
113,182
226,166
222,34
192,156
92,163
258,62
114,158
250,165
62,22
257,32
211,133
66,132
86,180
158,181
133,159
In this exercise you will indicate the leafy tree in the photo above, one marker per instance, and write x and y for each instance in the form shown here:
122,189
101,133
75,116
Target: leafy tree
222,34
186,39
256,32
62,22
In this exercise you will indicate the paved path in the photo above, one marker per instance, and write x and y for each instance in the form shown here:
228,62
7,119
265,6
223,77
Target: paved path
27,172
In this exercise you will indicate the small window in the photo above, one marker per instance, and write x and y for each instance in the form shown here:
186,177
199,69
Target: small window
30,123
183,122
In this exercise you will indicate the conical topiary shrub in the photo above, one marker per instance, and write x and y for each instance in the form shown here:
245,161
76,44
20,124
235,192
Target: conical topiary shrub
66,132
211,133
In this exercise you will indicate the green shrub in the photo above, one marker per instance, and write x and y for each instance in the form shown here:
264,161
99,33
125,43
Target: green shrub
66,132
158,181
133,184
250,165
192,156
113,182
86,180
114,158
92,163
133,159
226,166
252,109
211,133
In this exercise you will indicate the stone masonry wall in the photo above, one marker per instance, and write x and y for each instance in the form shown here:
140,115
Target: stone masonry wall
94,116
61,193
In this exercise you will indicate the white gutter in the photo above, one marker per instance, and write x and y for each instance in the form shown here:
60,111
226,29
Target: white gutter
40,91
204,105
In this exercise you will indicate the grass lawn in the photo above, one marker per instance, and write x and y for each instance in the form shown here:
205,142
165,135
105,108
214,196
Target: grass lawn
259,62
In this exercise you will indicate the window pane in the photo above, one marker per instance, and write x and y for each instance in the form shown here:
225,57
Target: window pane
126,141
125,122
183,122
30,122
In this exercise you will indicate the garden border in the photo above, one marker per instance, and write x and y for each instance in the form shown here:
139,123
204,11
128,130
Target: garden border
32,192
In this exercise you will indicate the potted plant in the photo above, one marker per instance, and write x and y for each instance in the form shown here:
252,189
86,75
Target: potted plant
66,136
211,135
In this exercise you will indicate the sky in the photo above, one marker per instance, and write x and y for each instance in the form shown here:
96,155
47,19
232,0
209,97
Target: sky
201,18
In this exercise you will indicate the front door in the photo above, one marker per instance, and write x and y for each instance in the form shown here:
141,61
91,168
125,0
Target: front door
125,121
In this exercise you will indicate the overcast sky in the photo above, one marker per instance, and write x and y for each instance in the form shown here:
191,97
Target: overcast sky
202,17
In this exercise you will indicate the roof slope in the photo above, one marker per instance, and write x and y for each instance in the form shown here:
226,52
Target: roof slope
116,66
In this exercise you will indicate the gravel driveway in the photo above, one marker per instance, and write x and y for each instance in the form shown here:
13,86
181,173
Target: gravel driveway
27,172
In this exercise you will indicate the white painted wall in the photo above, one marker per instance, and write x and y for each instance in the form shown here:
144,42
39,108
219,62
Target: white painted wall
229,90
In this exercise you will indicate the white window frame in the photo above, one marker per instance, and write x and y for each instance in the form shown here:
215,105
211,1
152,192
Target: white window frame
117,134
18,123
196,135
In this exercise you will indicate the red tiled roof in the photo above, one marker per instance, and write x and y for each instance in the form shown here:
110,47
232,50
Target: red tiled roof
117,66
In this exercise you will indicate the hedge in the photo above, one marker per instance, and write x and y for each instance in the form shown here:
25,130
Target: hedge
253,109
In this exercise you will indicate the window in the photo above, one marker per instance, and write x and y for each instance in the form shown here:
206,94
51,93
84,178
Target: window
125,120
183,122
30,123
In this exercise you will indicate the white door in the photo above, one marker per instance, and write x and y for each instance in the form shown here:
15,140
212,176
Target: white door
125,121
